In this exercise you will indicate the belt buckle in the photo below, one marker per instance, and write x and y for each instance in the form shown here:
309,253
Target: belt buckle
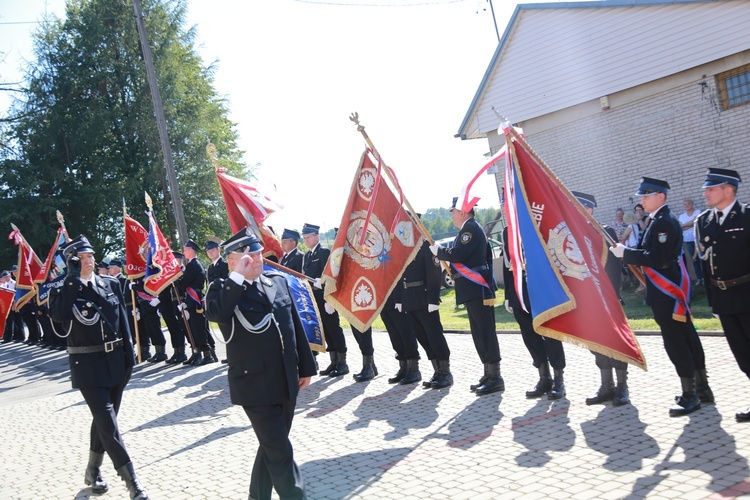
109,346
722,285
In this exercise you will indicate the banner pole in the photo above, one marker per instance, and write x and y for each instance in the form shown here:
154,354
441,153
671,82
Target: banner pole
132,292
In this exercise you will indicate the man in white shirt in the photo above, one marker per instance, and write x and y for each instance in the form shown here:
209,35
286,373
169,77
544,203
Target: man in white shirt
687,219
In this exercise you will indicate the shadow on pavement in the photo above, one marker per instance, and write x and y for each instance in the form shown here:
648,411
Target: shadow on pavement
543,428
473,424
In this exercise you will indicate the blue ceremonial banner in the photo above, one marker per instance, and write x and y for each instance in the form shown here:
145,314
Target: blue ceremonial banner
306,308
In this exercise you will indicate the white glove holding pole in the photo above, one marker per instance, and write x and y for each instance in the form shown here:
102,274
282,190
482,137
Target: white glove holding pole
434,249
399,307
187,314
317,284
507,307
181,306
432,308
329,308
154,302
618,250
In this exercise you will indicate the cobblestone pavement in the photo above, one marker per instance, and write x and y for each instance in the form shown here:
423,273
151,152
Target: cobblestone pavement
378,441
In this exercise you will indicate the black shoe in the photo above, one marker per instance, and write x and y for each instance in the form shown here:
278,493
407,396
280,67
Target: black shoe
541,388
225,361
685,405
93,476
605,393
493,384
742,416
332,366
622,395
400,373
197,360
368,370
474,387
443,378
413,375
207,359
558,388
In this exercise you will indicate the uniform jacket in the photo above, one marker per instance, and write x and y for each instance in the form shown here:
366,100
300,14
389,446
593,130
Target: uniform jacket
219,269
262,370
125,288
73,305
193,277
728,257
420,284
314,261
293,260
511,295
659,248
471,249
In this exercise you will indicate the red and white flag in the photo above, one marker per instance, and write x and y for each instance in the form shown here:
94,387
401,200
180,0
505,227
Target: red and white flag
29,267
136,248
376,241
163,268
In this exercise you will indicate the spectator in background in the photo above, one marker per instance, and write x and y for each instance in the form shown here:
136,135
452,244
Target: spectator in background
619,225
642,216
630,239
687,220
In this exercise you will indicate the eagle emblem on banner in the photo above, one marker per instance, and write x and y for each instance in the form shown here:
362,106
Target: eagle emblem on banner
566,254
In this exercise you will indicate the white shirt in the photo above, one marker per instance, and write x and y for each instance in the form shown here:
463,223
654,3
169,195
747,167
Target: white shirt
688,234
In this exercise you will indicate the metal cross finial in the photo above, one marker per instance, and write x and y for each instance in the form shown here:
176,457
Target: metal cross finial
149,203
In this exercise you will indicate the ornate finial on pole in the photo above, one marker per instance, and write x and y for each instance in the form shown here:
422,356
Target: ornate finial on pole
59,217
149,203
212,154
355,118
15,228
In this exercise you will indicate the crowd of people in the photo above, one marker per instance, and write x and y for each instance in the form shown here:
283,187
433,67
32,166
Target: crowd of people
100,317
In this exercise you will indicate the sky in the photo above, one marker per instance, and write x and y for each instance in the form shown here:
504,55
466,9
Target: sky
293,71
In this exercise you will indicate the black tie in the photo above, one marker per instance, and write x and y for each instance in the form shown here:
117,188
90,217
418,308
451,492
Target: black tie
718,216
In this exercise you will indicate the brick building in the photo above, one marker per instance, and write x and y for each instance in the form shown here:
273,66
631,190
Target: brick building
609,91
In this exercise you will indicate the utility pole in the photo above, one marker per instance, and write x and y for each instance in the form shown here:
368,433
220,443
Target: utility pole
161,123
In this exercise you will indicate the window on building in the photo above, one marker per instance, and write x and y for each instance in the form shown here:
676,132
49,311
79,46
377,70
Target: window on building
734,87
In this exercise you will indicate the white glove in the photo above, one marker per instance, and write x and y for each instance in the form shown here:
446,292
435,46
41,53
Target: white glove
317,284
187,314
507,307
181,306
716,316
399,308
131,285
329,308
618,250
137,315
434,248
432,308
154,302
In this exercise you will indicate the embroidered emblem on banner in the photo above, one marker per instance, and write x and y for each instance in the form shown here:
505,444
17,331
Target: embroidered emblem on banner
376,246
662,237
566,254
366,182
364,296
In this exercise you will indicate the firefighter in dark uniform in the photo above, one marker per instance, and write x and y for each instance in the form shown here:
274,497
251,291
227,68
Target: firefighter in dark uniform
667,292
419,290
149,322
103,269
115,270
292,257
471,259
92,311
269,360
313,263
190,287
544,351
608,391
722,234
403,340
218,268
167,305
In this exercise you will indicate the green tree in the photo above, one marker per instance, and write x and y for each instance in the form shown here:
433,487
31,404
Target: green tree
84,136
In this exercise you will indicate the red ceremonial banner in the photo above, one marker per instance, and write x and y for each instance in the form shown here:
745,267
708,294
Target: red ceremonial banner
136,248
375,243
50,262
163,267
246,207
564,251
29,267
6,302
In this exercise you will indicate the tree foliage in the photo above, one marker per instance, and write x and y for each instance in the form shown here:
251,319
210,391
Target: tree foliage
85,136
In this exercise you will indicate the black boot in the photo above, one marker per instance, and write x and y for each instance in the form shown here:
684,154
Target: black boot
93,476
178,356
212,350
145,353
427,384
207,357
413,375
342,368
400,373
622,396
194,360
705,393
558,386
606,391
543,385
368,370
474,387
332,366
161,354
443,378
688,402
494,382
127,473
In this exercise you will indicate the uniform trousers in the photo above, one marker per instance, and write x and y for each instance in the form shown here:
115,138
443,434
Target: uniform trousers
174,325
335,341
680,339
401,333
606,363
429,331
542,349
364,341
104,404
737,331
29,317
483,330
152,329
274,465
198,326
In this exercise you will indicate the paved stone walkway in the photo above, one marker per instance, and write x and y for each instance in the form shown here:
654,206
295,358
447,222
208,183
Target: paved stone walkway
379,441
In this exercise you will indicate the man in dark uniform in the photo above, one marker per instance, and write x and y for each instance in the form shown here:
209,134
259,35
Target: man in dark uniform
101,357
218,268
269,360
668,291
722,234
292,257
149,321
619,394
544,351
471,259
167,304
103,269
419,298
190,286
115,270
313,263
